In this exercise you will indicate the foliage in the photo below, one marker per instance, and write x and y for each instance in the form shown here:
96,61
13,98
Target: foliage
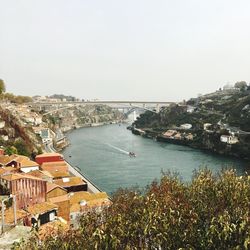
211,212
17,99
10,150
2,87
240,85
21,147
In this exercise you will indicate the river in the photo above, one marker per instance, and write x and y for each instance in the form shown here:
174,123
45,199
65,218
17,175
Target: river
102,155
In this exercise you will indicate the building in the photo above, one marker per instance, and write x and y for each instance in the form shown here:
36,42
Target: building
63,206
42,213
54,190
28,190
186,126
72,184
60,166
83,202
49,157
229,139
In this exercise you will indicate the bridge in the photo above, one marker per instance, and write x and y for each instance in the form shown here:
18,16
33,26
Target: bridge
128,105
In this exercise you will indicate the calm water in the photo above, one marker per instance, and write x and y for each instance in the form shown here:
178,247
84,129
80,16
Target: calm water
101,154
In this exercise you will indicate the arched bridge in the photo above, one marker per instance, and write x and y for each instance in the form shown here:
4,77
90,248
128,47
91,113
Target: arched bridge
128,105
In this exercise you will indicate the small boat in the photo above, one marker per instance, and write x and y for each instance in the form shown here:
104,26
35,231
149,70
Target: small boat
132,154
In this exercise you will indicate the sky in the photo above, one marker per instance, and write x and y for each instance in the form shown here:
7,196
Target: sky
165,50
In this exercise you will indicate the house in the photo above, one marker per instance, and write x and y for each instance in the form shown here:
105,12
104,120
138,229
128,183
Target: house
186,126
49,157
189,137
229,139
19,161
169,133
28,189
54,190
72,184
207,126
178,136
82,202
47,135
60,166
63,206
42,213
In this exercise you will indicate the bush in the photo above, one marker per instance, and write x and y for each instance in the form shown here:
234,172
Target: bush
211,212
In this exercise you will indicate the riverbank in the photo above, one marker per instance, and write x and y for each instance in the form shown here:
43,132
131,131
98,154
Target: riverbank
208,141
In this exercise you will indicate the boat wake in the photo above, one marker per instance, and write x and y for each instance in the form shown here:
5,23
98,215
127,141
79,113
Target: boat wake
119,149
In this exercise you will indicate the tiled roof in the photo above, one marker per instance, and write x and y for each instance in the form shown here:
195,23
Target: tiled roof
51,186
40,174
58,174
9,215
92,200
59,198
48,155
41,208
17,176
28,163
4,170
69,181
5,159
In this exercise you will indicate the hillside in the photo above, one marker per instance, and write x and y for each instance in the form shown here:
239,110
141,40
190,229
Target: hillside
222,113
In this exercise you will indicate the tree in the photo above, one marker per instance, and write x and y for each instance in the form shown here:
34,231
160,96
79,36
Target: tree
211,212
2,86
242,85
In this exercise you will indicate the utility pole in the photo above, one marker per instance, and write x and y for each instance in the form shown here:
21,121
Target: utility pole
2,226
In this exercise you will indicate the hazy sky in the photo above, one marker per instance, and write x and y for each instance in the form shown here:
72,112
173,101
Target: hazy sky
130,49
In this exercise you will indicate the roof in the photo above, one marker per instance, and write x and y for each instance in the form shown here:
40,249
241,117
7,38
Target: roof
9,215
52,186
5,159
17,176
92,200
83,195
69,181
52,166
41,208
60,198
58,174
40,174
4,170
25,163
48,155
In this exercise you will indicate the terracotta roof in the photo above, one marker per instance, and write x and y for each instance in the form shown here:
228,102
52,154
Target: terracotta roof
40,174
5,159
92,200
76,207
83,195
59,198
51,186
41,208
69,181
54,164
17,176
58,174
48,155
25,163
4,170
9,215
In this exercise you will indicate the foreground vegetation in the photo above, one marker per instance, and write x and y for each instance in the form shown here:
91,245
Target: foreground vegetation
211,212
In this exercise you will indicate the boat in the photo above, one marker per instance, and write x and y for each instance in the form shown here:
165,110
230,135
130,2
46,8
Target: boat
132,154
